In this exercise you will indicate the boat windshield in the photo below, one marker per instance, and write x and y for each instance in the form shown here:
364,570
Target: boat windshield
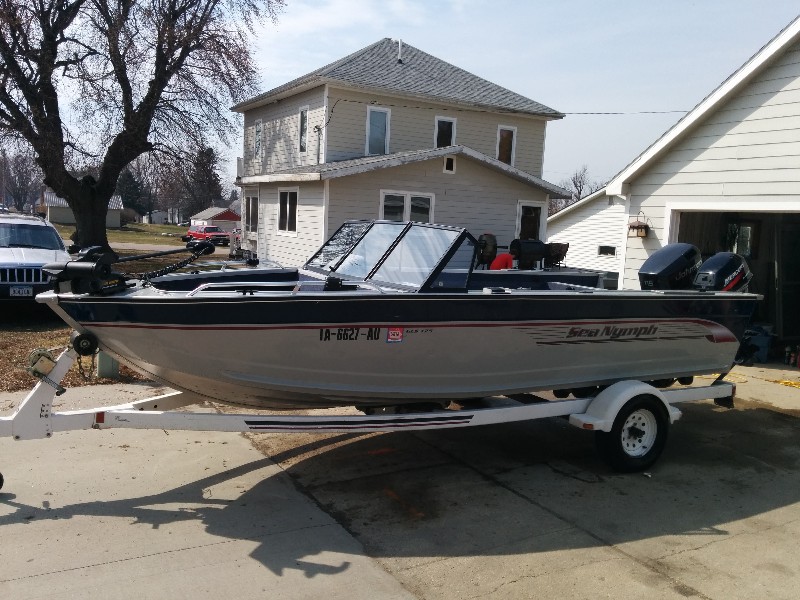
391,252
340,243
415,256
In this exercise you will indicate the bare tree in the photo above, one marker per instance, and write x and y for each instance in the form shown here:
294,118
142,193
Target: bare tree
139,75
23,179
580,185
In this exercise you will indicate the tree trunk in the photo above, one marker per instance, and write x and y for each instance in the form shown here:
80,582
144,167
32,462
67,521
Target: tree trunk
90,210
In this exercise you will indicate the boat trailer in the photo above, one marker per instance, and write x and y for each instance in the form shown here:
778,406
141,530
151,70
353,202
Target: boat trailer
630,418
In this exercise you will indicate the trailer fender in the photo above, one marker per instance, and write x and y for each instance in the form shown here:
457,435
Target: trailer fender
604,407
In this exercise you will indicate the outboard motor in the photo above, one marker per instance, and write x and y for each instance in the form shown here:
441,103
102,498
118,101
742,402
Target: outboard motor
673,267
724,272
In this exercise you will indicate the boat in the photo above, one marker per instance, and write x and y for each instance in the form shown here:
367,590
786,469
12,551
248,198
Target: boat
388,314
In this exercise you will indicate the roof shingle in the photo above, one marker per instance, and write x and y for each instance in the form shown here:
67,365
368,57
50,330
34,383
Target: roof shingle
415,73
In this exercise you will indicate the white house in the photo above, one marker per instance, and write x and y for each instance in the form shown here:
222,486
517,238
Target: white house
726,177
390,132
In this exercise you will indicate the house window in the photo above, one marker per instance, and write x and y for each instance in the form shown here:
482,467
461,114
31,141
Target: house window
406,206
506,141
287,211
377,130
251,211
257,139
741,237
303,129
445,132
449,164
606,251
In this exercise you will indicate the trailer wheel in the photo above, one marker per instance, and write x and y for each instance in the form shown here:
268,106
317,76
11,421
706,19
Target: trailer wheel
637,437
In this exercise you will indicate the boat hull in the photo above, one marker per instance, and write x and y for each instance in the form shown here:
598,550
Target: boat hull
316,350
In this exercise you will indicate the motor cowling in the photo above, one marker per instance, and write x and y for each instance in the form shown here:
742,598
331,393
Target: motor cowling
724,272
673,267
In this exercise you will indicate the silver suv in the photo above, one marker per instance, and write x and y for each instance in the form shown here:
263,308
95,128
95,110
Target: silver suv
26,243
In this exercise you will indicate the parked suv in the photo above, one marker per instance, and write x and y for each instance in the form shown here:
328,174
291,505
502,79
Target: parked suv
210,233
26,244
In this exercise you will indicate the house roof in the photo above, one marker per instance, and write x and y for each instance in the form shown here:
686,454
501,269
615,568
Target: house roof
51,199
355,166
213,213
726,90
399,68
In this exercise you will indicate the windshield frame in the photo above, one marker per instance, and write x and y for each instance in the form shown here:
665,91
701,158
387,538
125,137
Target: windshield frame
383,249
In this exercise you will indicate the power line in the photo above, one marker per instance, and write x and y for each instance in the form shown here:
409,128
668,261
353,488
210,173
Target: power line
636,112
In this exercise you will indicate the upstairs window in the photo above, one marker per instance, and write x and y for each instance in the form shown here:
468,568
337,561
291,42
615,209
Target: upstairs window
377,130
303,143
506,141
445,132
287,211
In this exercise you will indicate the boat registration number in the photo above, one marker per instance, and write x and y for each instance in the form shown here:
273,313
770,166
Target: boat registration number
21,291
349,334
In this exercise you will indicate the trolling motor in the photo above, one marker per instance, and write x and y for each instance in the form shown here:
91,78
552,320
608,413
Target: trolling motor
92,271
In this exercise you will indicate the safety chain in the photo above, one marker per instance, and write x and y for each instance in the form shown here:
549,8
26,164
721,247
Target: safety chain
92,366
145,277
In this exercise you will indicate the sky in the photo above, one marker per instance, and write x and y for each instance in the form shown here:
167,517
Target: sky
650,60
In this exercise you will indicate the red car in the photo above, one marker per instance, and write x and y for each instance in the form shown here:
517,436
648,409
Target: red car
210,233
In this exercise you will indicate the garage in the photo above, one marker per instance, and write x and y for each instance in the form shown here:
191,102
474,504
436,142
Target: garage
771,244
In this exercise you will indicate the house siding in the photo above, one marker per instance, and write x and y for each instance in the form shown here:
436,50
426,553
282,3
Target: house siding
280,122
586,228
412,126
746,153
290,249
476,197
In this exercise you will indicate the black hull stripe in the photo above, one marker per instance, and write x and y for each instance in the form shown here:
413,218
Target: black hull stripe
268,425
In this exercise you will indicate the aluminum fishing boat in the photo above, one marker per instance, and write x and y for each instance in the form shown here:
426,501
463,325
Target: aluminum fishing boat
390,313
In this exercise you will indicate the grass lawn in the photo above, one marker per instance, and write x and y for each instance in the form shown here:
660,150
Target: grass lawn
136,233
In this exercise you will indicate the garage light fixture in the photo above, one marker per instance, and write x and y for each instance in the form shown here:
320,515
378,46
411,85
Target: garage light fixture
639,227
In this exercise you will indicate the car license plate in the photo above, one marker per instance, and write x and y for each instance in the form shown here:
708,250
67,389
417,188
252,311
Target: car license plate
21,291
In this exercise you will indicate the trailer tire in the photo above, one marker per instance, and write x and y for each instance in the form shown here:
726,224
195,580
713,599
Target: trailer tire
637,437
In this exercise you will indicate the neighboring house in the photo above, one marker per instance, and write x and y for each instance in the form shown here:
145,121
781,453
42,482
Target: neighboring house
224,218
56,210
726,177
390,132
156,217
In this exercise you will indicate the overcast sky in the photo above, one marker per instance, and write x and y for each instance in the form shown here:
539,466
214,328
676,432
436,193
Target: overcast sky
576,56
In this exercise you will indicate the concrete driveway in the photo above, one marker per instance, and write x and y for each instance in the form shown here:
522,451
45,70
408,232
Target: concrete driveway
527,510
521,510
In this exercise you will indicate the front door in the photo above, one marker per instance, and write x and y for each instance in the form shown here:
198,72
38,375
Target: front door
530,218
